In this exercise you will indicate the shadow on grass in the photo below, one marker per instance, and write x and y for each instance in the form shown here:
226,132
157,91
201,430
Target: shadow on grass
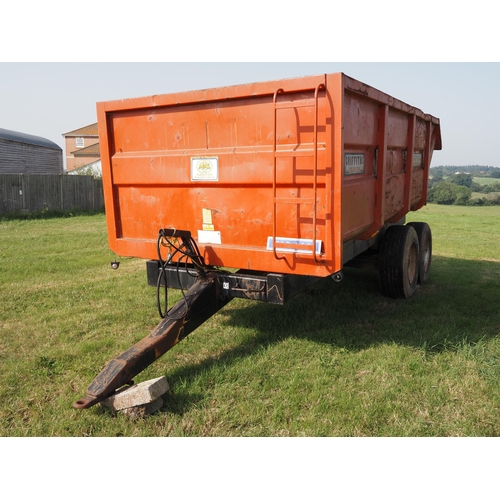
458,307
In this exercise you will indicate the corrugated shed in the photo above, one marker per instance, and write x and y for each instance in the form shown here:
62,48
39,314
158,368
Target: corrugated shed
11,135
28,154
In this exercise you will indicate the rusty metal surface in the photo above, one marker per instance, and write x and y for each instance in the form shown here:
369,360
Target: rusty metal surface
200,302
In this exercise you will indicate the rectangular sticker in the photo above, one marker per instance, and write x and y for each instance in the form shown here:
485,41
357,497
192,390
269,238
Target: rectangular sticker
354,163
204,168
418,160
212,237
207,220
206,215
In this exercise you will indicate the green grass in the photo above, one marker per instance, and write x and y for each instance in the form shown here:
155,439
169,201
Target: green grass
484,181
489,196
338,360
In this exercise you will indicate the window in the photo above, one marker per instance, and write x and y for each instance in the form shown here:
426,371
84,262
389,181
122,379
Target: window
79,142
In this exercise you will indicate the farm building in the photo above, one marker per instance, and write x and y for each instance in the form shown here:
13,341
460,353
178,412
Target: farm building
28,154
82,147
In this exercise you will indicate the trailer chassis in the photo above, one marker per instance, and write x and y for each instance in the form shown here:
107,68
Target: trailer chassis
209,289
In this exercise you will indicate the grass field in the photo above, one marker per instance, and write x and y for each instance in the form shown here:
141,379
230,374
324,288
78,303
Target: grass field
484,181
338,360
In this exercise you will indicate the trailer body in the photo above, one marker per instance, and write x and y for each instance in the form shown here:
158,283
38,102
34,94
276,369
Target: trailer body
257,191
292,176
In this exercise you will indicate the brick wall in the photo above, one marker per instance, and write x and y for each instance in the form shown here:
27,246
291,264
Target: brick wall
71,161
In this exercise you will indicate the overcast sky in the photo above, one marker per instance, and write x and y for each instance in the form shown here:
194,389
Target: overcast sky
52,97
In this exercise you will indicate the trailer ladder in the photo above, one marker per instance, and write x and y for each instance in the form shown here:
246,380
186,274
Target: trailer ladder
296,245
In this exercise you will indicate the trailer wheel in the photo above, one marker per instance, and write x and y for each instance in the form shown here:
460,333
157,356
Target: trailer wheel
425,243
399,262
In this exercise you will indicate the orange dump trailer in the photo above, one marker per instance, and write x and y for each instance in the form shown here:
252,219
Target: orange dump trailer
283,182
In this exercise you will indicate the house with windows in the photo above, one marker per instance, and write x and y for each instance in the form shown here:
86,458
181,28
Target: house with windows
82,147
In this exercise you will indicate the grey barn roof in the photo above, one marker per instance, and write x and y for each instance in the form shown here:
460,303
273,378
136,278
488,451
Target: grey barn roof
10,135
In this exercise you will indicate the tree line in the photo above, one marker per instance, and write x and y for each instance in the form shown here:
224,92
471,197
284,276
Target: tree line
474,170
449,187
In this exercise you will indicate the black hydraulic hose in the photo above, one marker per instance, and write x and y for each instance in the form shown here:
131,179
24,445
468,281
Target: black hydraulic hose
189,253
161,273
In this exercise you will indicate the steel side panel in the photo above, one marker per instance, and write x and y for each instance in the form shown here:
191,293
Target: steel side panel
379,127
151,146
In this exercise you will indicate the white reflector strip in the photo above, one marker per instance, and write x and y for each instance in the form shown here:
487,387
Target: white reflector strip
294,245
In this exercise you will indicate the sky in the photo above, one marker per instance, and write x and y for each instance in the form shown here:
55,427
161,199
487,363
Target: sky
444,61
49,99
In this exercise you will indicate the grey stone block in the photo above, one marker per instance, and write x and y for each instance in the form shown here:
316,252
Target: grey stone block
136,412
137,395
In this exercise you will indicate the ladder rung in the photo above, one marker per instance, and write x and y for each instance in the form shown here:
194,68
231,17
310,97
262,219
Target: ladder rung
309,103
293,154
294,200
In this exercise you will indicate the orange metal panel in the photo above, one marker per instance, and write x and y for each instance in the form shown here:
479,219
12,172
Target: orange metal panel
272,176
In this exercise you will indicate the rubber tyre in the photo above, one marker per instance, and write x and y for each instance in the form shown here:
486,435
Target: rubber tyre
399,262
425,243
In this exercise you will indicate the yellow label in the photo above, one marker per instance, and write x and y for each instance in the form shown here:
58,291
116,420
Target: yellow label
207,216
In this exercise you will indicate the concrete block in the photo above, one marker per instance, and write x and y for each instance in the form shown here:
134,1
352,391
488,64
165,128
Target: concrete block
137,395
136,412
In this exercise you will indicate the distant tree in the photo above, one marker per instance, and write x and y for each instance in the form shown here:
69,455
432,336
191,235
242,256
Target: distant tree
448,193
435,178
475,187
474,170
462,180
491,188
88,170
495,199
462,195
476,202
443,193
437,172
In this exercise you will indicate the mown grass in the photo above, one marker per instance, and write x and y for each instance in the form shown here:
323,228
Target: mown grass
484,181
338,360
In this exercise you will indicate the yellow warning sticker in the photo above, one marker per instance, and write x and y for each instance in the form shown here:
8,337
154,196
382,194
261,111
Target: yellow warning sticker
207,216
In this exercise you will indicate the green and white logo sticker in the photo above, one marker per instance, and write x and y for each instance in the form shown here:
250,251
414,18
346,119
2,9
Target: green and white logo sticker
204,168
